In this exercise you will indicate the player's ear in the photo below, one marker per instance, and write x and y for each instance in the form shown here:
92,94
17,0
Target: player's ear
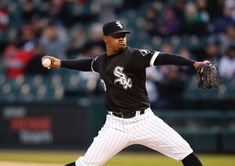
105,38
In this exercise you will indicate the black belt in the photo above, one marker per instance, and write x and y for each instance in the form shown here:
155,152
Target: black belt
128,114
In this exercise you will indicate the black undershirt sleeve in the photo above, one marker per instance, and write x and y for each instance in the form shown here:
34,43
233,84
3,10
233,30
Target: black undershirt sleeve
173,59
80,64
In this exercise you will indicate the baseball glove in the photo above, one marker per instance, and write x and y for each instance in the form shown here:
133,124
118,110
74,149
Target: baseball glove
208,76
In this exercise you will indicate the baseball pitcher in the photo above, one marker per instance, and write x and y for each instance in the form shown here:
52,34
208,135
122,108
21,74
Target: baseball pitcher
129,118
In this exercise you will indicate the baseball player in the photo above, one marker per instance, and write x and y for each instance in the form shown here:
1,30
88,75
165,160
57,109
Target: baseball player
129,118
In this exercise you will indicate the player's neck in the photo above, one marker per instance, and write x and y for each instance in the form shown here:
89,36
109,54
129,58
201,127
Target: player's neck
111,51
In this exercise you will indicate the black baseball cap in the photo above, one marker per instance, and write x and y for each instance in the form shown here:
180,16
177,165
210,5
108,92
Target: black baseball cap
114,27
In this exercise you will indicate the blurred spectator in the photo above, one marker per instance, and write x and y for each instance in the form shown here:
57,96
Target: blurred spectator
152,75
69,12
105,9
77,37
227,63
221,23
95,51
54,41
211,50
228,39
169,24
202,9
149,21
171,85
95,36
230,4
28,42
171,89
53,8
38,25
214,8
4,19
29,10
192,23
133,4
15,60
178,8
26,39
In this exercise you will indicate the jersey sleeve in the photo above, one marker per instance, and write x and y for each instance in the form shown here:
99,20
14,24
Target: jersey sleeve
77,64
145,58
173,59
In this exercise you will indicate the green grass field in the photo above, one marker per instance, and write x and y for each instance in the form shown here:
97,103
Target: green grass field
122,159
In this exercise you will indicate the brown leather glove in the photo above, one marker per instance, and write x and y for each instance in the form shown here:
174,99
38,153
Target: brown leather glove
208,76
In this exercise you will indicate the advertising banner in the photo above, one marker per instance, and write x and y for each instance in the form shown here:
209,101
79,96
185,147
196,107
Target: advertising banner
25,125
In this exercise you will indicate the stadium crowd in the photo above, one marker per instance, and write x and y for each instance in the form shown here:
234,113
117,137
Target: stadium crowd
200,29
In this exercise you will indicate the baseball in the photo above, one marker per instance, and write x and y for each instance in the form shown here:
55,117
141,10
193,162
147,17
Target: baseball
46,62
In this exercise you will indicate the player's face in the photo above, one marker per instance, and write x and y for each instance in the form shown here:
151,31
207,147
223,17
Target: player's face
116,42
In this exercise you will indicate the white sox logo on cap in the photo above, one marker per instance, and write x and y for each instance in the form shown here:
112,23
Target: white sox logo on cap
114,27
119,24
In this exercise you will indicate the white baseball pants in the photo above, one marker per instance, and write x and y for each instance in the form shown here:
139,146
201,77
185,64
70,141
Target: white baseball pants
146,129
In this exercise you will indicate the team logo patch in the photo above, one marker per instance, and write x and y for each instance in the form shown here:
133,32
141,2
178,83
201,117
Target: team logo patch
119,24
144,52
122,79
